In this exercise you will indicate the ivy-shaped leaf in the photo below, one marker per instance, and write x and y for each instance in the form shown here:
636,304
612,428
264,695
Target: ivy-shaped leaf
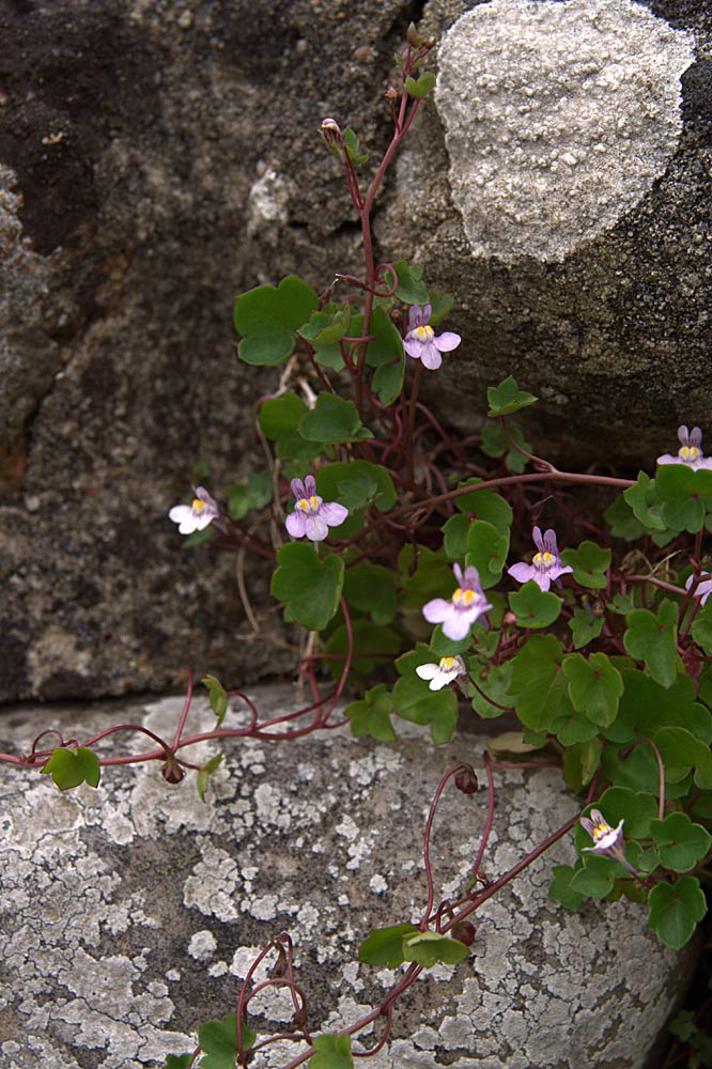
560,889
356,484
679,842
333,420
309,586
218,697
539,687
533,607
372,716
204,774
494,443
589,563
595,686
268,318
486,505
585,627
332,1052
686,496
411,288
507,398
384,946
70,767
652,639
218,1042
429,948
487,549
675,910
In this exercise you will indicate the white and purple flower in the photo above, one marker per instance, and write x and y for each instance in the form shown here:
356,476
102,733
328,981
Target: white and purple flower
468,602
606,840
690,451
546,563
196,516
312,516
703,588
446,671
421,341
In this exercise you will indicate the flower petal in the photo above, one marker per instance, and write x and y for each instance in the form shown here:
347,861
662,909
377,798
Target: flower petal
179,513
550,543
522,572
316,528
430,356
413,347
415,317
333,513
447,341
538,540
458,625
696,437
427,671
683,435
298,489
441,680
668,458
310,486
438,610
296,523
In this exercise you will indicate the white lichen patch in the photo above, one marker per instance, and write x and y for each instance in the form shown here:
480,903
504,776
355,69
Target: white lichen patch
123,909
558,117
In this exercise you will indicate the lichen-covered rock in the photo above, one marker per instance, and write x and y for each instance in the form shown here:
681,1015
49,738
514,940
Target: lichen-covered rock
560,189
130,913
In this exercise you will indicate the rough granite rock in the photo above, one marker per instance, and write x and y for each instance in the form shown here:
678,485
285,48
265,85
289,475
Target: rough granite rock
157,157
130,913
560,188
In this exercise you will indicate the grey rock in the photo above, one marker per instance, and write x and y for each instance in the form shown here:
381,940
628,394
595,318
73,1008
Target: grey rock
130,913
156,158
560,189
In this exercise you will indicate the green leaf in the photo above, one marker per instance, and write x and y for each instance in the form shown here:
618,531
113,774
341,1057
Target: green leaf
560,889
429,948
269,316
539,687
387,344
411,288
333,419
494,443
70,767
622,521
646,706
442,304
702,627
388,381
455,537
596,876
580,763
534,607
255,494
218,697
442,646
332,1052
636,808
645,502
486,505
205,773
353,146
573,729
218,1042
178,1061
384,946
685,494
414,701
507,398
653,640
281,415
356,484
675,909
372,716
487,549
589,563
494,685
585,627
371,588
327,326
680,750
421,87
595,686
680,844
369,641
425,574
310,587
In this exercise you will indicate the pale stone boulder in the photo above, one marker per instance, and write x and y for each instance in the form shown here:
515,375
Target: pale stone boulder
130,913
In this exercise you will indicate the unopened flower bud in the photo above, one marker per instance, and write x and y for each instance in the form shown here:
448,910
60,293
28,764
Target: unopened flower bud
333,138
171,771
509,618
413,37
391,93
466,780
464,932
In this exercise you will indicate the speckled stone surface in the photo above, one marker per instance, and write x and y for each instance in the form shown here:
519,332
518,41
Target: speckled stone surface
130,913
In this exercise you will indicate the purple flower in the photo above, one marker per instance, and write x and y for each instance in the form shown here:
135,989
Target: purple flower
606,840
690,451
196,516
312,516
703,589
467,603
421,341
546,563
